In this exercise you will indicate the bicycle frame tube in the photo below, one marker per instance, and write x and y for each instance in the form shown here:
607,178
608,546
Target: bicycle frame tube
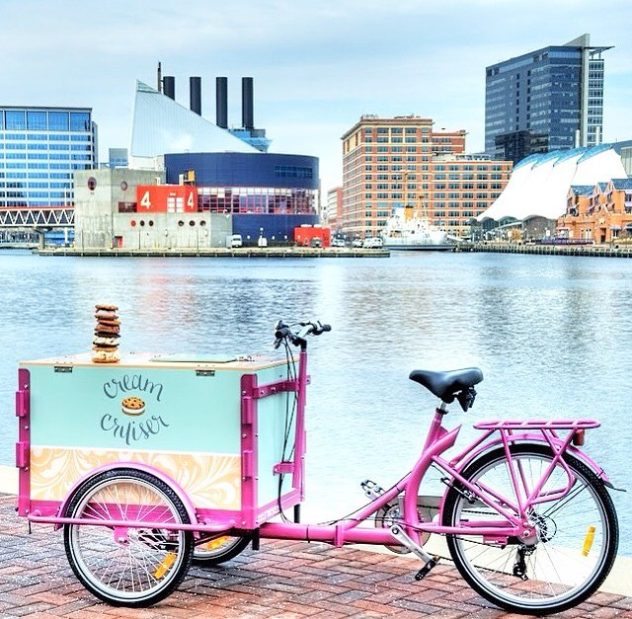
299,449
437,441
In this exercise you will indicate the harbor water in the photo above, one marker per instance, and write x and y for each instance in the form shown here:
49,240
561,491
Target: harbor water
552,335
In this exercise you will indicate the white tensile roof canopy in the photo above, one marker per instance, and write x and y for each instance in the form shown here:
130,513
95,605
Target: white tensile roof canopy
539,184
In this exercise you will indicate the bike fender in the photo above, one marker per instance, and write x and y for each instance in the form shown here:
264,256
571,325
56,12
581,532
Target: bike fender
139,466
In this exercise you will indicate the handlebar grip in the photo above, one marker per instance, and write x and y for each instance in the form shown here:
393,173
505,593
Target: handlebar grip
326,327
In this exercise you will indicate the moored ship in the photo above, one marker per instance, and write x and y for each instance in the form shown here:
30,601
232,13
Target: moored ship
404,230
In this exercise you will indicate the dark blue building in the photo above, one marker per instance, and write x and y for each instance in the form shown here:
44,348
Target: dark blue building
545,100
265,193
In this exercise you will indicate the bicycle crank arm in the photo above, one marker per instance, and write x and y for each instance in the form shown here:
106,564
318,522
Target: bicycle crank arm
429,560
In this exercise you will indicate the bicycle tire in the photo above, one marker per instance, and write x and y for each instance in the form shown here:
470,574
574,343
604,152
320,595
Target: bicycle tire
511,586
149,563
219,550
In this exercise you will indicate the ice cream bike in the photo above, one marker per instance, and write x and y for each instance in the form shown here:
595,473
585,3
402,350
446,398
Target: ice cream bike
148,462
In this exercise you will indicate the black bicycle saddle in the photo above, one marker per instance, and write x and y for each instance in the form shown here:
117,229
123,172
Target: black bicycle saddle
447,385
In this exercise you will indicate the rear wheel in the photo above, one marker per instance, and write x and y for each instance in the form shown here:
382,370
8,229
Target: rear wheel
124,565
576,535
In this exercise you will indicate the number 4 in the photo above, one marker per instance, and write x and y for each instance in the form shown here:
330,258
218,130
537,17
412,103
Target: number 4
145,200
190,201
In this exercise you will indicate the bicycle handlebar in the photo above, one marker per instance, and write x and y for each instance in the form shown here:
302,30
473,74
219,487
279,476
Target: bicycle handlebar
296,334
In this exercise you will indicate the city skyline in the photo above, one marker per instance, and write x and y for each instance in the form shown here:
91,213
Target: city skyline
316,68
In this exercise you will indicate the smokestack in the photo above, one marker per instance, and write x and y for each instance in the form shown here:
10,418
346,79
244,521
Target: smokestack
159,77
195,95
169,86
247,105
221,102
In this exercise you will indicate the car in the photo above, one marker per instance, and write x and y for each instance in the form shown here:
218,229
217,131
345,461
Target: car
316,241
337,242
357,243
373,242
234,240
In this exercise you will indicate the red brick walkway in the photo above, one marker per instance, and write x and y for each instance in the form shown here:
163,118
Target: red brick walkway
284,580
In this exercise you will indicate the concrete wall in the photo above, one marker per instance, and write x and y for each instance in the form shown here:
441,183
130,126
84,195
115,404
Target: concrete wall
97,197
99,224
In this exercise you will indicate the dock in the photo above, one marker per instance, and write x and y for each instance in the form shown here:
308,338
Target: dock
220,252
546,249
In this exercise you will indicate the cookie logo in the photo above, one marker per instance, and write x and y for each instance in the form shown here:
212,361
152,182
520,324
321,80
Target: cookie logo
129,422
133,406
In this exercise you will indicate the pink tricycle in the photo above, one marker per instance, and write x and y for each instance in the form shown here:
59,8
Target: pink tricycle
156,461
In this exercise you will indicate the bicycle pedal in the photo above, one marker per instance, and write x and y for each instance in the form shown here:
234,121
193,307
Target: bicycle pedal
423,572
371,489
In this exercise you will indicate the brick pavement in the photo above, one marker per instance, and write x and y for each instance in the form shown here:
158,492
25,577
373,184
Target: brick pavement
284,580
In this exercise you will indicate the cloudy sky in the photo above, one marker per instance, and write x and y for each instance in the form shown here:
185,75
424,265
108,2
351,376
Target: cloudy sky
318,65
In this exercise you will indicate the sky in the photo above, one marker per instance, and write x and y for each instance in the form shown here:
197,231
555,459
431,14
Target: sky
318,65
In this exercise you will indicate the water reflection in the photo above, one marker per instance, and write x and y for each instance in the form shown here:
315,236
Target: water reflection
550,334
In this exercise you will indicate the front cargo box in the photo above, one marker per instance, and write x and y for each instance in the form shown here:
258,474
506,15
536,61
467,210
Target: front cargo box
208,425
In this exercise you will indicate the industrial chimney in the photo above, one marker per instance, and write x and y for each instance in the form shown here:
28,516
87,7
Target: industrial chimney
169,86
195,95
247,105
221,102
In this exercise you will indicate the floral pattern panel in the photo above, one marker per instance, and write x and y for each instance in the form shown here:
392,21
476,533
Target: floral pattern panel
212,481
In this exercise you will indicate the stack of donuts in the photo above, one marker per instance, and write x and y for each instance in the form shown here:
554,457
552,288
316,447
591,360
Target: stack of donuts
106,334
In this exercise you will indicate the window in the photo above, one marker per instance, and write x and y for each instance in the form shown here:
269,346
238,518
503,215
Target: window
16,119
292,171
36,121
58,121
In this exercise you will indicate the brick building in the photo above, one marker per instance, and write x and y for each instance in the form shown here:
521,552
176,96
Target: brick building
601,213
392,162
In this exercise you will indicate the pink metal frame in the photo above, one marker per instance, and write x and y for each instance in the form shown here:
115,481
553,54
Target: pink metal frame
512,512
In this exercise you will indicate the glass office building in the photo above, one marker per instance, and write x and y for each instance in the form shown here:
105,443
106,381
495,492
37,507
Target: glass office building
40,149
545,100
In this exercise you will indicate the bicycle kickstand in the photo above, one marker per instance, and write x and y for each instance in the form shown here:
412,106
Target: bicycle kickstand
429,560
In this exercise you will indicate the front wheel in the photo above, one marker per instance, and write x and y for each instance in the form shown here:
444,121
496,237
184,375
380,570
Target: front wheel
576,541
219,550
128,565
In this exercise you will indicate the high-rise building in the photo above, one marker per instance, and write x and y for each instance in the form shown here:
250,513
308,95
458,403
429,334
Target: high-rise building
544,100
389,163
333,208
40,149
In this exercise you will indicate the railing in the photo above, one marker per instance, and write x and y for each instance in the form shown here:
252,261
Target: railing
37,217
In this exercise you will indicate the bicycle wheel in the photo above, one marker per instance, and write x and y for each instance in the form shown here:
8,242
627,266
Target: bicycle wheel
576,541
127,566
219,550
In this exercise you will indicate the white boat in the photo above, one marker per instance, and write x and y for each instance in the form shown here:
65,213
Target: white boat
406,231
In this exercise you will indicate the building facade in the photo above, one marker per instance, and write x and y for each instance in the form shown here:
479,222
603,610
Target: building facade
40,150
548,99
389,163
118,208
265,194
333,209
206,197
600,213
